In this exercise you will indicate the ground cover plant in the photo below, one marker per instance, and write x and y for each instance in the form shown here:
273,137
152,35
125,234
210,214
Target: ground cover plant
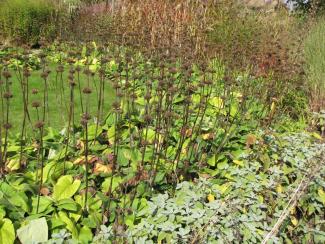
143,130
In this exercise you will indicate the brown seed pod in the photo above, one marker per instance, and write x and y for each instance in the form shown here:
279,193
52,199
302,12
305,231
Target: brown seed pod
60,69
6,74
87,90
34,91
39,124
36,104
7,126
7,95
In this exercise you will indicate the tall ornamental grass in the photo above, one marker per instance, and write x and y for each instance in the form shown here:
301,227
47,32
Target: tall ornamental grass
315,64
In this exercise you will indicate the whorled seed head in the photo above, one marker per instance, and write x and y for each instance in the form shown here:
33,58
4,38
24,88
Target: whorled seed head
6,74
26,73
86,116
87,90
36,104
7,126
147,118
34,91
39,124
7,95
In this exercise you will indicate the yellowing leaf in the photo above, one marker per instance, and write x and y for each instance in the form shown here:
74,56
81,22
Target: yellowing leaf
66,187
294,221
317,136
13,164
273,107
216,102
238,162
321,194
7,231
279,189
211,198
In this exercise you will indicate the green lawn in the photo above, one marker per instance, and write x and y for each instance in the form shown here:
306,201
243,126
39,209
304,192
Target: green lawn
58,106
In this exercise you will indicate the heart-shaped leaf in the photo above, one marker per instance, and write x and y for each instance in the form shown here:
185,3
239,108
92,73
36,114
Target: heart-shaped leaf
66,187
35,232
7,231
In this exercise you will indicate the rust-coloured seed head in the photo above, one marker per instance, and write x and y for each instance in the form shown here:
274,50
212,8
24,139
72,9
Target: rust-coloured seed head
70,77
7,126
78,68
116,105
7,95
208,82
44,75
83,122
39,124
134,96
70,61
72,83
34,91
87,90
72,71
86,116
26,73
87,71
36,104
127,85
116,85
60,68
147,118
147,96
6,74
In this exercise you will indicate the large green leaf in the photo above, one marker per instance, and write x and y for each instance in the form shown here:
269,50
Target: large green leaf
85,235
7,231
70,224
35,232
66,187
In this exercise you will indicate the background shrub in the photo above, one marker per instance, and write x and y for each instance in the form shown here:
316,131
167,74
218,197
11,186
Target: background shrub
27,20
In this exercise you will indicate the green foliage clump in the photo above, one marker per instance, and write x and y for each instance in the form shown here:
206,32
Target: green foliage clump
26,20
315,64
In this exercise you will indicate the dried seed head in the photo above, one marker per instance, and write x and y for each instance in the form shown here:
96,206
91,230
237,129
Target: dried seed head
71,61
87,90
147,118
36,104
26,73
6,74
7,126
147,96
119,94
44,75
86,116
72,83
116,85
70,77
169,114
87,71
39,124
134,96
72,71
116,105
60,68
7,95
78,68
34,91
